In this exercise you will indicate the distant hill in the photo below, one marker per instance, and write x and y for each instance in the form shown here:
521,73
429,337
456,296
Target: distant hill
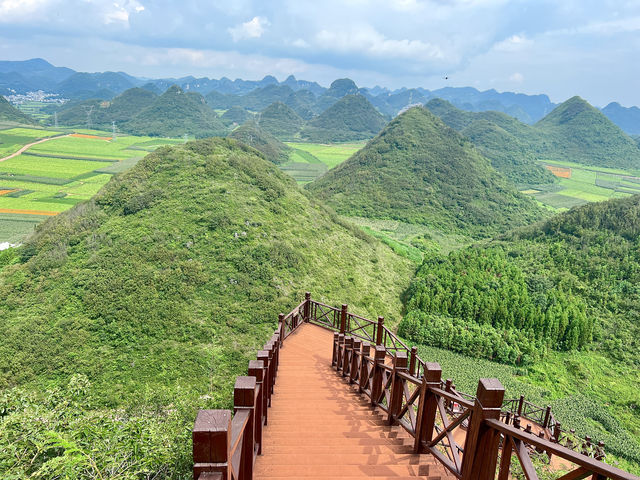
85,85
351,118
146,302
129,103
261,98
10,113
235,115
392,103
508,143
628,119
280,121
637,139
176,113
273,149
339,88
418,170
578,132
30,75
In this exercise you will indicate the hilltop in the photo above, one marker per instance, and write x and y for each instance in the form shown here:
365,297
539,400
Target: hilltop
577,132
418,170
273,149
235,115
350,118
143,304
628,119
280,121
176,113
10,113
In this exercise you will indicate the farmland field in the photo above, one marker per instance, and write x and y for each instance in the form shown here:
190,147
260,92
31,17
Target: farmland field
308,161
585,184
53,176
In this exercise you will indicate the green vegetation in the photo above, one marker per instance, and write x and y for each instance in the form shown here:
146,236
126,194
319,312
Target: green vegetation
331,155
418,170
504,140
349,119
273,149
577,132
235,115
280,121
10,113
46,167
176,113
13,139
160,289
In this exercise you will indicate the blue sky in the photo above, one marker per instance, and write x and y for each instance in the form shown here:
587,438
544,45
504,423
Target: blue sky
561,47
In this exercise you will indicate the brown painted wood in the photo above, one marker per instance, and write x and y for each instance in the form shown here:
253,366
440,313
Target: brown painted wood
400,365
211,442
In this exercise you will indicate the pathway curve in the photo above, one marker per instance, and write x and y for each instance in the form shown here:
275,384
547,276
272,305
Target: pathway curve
27,147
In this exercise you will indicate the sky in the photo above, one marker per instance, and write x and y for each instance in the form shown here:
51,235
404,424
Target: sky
561,48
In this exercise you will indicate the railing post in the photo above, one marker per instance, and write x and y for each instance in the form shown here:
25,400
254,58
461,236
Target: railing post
364,368
343,319
281,328
355,351
307,307
482,443
244,398
340,351
256,369
270,348
376,384
397,386
334,357
520,405
428,405
380,331
346,358
211,443
412,361
263,355
547,416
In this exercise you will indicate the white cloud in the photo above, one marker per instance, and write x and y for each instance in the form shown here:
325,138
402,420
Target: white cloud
120,13
11,10
517,77
367,40
254,28
512,44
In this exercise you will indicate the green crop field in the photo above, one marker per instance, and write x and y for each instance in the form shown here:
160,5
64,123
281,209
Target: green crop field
308,161
53,176
587,184
329,154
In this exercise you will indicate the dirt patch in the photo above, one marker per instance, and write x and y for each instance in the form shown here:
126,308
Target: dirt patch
28,212
96,137
559,171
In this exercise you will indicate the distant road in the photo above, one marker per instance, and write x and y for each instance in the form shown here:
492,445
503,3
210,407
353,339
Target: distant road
26,147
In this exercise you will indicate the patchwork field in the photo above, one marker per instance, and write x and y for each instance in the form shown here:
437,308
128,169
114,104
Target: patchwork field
51,177
309,161
580,184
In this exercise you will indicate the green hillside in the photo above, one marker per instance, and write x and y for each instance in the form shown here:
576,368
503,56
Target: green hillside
273,149
280,121
577,132
9,113
176,113
418,170
569,284
128,104
237,115
126,314
510,144
352,118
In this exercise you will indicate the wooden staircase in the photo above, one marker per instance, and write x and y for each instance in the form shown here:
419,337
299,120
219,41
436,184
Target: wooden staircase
335,395
319,427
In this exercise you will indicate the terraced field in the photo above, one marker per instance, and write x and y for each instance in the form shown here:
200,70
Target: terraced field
51,177
309,161
585,184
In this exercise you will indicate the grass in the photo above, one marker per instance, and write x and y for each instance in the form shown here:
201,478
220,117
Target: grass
16,227
89,147
329,154
12,139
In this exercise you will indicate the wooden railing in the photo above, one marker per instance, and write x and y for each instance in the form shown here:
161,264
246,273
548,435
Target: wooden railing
474,437
471,436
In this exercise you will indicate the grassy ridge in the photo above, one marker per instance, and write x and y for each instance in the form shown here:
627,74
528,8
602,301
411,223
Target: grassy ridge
160,290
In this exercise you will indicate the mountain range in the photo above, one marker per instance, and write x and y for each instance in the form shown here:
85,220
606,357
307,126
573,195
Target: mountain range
305,97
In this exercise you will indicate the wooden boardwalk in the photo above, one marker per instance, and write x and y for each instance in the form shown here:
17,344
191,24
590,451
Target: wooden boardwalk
319,427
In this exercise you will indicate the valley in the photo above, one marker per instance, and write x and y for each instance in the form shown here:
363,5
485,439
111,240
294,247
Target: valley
151,266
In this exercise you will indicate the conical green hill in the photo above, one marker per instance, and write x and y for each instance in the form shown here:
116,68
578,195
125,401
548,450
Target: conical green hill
577,132
176,113
350,118
418,170
11,114
273,149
